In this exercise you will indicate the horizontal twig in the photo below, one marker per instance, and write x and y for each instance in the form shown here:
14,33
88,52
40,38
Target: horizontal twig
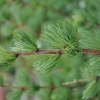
19,87
63,84
80,80
93,51
55,51
44,87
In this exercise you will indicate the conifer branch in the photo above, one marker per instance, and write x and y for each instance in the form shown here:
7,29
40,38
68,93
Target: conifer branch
58,11
47,87
63,84
80,81
93,51
18,87
47,8
86,22
55,51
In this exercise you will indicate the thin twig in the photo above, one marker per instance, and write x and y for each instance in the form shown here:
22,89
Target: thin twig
19,87
63,84
55,51
52,87
93,51
79,81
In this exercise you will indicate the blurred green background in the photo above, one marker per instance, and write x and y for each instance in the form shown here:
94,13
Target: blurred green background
35,15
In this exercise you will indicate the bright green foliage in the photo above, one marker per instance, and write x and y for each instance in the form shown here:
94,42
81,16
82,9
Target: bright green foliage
54,79
46,63
60,35
60,94
92,11
33,87
94,67
6,59
22,77
45,94
90,39
24,41
72,50
44,79
14,95
91,90
1,81
77,93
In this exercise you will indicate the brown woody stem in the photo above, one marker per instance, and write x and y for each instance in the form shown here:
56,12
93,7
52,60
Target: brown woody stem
79,81
93,51
63,84
55,51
